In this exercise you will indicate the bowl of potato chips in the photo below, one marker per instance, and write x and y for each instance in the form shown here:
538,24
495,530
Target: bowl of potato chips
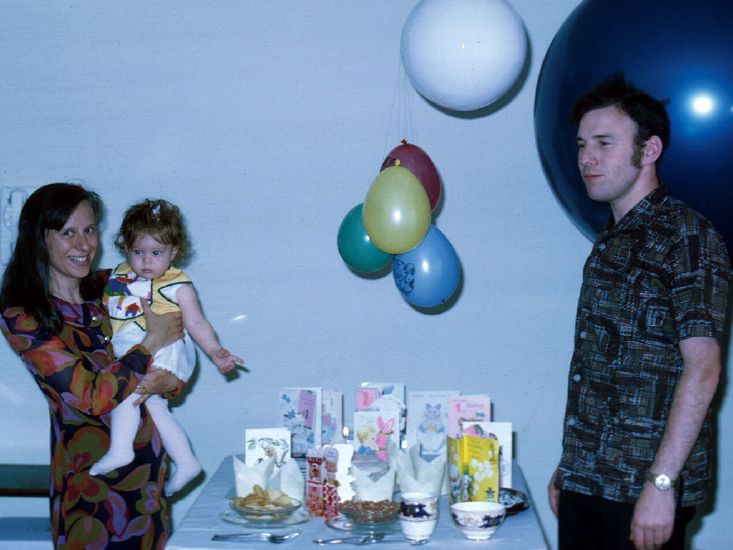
265,505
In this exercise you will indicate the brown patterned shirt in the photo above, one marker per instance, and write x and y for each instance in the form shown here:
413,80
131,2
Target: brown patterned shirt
656,277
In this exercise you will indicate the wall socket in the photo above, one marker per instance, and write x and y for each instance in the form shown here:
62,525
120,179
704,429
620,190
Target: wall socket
12,202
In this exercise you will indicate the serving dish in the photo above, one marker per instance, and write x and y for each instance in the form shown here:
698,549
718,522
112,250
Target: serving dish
515,501
297,517
341,523
264,513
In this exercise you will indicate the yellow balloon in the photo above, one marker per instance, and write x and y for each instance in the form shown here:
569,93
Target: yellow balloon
396,211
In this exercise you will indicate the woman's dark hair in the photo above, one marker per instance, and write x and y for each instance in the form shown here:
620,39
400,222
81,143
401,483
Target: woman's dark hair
26,278
649,113
158,218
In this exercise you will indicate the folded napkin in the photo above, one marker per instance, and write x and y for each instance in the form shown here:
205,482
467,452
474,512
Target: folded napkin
287,478
416,474
373,480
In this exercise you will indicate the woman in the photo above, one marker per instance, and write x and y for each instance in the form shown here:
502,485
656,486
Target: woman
53,318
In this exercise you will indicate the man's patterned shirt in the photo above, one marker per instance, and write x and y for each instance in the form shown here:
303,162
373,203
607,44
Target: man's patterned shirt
658,276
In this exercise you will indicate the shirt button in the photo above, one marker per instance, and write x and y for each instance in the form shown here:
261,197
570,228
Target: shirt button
571,422
584,334
602,247
576,378
106,338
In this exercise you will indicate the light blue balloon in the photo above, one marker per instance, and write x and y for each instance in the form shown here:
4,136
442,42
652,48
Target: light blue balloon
428,275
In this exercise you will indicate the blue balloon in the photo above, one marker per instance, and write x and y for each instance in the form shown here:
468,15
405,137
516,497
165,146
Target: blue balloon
673,49
427,275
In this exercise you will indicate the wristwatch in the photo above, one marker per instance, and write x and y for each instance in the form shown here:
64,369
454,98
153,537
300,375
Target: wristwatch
661,481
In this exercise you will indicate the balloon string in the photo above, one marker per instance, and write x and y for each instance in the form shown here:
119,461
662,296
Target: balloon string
400,124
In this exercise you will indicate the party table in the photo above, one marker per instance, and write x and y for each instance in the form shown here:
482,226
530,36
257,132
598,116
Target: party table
521,531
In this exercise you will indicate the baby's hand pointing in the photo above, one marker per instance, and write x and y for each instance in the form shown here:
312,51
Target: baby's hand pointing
225,361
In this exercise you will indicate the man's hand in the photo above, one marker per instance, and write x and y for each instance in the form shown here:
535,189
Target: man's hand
653,519
553,494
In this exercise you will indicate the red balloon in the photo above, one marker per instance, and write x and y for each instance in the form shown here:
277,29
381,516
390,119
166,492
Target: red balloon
418,162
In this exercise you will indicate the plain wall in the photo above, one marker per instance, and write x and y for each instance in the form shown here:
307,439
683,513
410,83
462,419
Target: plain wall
266,122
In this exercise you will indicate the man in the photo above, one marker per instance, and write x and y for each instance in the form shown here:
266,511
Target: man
637,437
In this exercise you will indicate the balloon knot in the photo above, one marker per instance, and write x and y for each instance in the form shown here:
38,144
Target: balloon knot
404,141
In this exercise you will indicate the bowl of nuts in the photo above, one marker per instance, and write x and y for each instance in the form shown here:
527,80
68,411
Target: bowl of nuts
369,512
261,505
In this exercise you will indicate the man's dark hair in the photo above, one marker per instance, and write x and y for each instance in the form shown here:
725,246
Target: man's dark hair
649,113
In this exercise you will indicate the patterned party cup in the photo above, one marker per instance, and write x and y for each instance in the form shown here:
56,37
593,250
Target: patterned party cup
418,515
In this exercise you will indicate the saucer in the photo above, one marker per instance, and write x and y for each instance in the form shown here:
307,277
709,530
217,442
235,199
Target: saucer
297,517
515,501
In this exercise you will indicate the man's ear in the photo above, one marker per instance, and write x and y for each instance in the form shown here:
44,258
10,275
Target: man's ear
653,148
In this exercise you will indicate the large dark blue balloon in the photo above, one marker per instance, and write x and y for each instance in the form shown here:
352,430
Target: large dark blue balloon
673,49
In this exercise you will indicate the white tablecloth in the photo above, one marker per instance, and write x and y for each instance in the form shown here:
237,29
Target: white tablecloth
519,532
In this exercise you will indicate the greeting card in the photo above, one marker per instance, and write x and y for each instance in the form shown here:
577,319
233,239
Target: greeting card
314,482
467,407
427,420
332,417
263,443
501,431
479,459
372,430
300,412
394,389
365,397
330,484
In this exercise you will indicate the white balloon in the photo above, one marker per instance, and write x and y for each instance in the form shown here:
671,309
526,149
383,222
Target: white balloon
463,54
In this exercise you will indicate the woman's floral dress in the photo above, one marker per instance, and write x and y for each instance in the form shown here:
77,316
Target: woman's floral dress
82,382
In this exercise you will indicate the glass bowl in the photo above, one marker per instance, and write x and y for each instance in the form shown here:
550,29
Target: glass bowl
368,512
264,513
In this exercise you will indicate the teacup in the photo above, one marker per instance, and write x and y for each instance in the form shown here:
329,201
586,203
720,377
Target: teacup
478,520
418,515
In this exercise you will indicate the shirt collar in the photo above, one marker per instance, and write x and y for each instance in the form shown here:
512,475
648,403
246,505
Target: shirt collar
640,215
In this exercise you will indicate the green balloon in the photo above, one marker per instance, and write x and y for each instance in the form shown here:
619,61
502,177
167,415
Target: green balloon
356,248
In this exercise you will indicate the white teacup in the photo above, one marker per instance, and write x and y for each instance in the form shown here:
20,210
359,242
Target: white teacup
418,515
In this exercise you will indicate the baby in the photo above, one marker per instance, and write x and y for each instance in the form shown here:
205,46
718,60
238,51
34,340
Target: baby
152,235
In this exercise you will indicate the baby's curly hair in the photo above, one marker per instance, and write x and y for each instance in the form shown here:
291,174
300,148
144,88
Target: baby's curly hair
155,217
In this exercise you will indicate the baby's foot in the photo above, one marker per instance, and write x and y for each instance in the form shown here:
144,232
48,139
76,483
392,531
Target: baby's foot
111,461
181,477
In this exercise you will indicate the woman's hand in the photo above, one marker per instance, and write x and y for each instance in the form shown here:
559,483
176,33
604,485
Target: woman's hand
156,381
162,329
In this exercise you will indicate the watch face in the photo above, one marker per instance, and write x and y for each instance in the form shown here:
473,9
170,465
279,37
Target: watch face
662,482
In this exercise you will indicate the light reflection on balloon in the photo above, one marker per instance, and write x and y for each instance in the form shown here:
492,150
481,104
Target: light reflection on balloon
702,104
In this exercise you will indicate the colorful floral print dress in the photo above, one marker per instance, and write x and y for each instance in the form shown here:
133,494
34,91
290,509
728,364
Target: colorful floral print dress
82,382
